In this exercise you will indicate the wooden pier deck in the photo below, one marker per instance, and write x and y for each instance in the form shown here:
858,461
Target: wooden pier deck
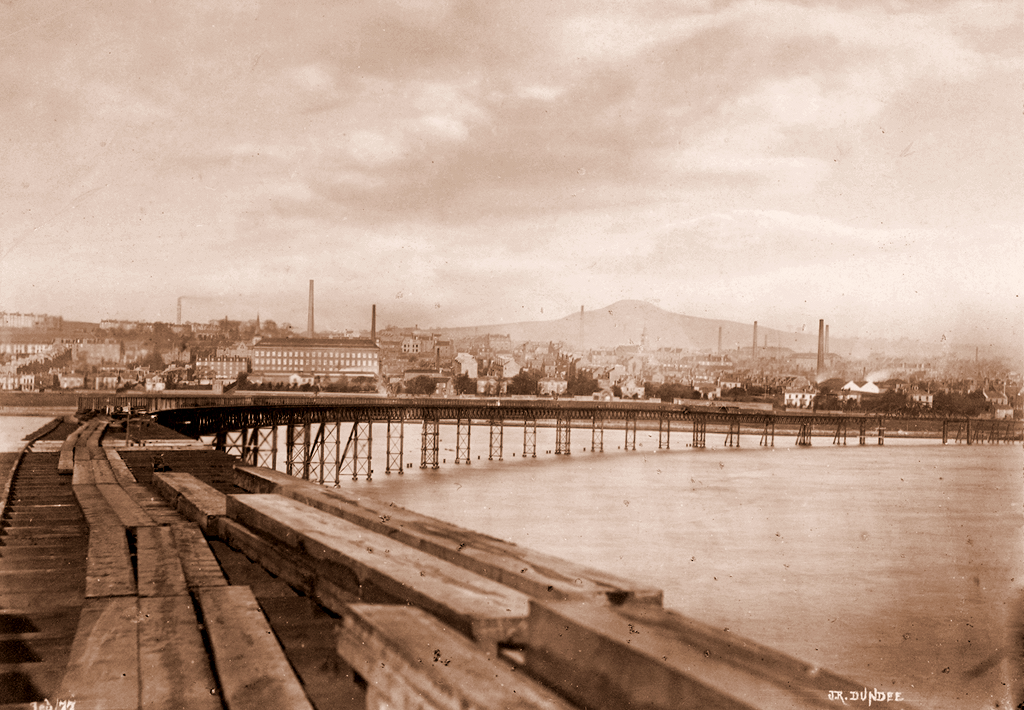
165,575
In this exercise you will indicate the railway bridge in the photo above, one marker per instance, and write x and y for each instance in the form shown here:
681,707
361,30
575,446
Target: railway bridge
330,436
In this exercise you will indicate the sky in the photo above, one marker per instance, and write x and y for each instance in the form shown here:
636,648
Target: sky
465,163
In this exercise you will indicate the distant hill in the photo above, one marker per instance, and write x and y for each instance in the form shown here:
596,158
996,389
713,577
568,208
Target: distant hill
624,323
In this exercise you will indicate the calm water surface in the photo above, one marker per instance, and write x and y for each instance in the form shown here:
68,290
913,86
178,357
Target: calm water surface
14,429
893,565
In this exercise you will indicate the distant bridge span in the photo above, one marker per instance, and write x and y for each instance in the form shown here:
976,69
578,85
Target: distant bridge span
328,436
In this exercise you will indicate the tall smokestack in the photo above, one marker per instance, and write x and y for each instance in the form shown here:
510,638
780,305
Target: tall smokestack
827,351
309,326
754,351
179,310
719,340
821,346
582,334
373,323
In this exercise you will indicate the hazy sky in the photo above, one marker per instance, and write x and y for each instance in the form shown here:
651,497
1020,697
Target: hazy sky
460,163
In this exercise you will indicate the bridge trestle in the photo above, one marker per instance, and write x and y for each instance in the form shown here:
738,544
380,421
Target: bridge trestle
597,433
431,442
733,437
325,453
630,444
357,456
463,428
664,433
803,437
768,433
396,444
529,437
563,434
497,439
700,430
840,438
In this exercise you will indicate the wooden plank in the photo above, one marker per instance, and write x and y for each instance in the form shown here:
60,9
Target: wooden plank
160,573
249,662
66,462
173,663
369,565
103,671
643,656
412,660
197,559
194,499
82,474
102,471
128,512
109,569
120,469
534,573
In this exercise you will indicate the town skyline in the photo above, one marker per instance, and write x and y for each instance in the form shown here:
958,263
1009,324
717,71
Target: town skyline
623,323
467,163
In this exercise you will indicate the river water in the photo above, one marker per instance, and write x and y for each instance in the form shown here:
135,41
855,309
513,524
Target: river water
898,566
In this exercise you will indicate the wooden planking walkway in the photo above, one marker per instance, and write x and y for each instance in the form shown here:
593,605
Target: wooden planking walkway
372,566
103,671
195,500
412,660
252,669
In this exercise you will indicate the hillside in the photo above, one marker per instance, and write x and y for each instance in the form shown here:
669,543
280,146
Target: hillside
624,323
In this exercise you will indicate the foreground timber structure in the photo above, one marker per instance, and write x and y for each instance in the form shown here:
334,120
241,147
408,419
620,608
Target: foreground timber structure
234,586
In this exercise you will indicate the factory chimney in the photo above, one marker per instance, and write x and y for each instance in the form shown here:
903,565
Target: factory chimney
754,350
719,340
821,346
309,326
179,309
827,351
582,334
373,323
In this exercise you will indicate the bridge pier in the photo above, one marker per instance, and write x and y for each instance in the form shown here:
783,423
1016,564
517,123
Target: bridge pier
297,446
265,453
881,433
700,429
803,438
630,434
733,437
324,451
840,438
864,432
396,443
357,456
768,434
462,433
597,433
563,434
497,427
430,443
529,438
664,433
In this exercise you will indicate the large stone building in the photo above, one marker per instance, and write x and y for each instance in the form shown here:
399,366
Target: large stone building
314,360
221,369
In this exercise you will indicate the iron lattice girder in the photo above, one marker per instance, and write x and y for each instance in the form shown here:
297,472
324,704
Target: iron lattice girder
262,413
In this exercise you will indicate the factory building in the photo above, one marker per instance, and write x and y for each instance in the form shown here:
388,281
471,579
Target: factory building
314,360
